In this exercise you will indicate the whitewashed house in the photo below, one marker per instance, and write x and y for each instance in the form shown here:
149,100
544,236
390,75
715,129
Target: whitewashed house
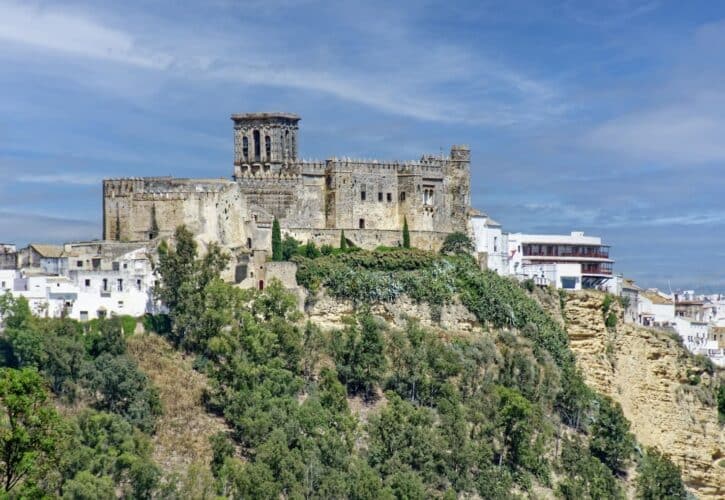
490,242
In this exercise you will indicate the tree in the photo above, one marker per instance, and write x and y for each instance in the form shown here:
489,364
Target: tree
123,389
456,243
659,478
184,281
14,312
360,358
343,240
611,440
276,241
290,247
406,233
30,428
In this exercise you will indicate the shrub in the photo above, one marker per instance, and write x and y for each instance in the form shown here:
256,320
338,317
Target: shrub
611,320
659,478
326,249
456,243
128,323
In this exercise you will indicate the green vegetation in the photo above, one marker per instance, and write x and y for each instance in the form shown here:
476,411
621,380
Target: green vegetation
659,478
721,401
406,233
610,316
100,452
343,240
456,243
276,241
365,412
471,415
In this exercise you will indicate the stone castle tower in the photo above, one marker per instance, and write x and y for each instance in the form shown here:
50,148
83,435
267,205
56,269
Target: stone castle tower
313,200
264,141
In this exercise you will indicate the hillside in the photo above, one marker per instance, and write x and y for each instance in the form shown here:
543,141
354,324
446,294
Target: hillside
182,433
407,374
666,394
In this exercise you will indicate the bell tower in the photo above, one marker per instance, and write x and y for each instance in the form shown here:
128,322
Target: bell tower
264,141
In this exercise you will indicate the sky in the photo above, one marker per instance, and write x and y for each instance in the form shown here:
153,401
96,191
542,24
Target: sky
606,117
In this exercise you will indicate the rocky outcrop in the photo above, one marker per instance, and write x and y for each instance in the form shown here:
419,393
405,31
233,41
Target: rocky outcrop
651,375
328,312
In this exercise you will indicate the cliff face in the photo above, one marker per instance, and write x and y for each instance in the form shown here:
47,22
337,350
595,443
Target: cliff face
328,312
650,375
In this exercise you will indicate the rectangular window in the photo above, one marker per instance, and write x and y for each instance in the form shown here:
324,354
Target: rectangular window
2,285
120,285
79,263
362,195
380,196
138,284
84,315
88,283
390,197
361,223
105,284
115,266
402,196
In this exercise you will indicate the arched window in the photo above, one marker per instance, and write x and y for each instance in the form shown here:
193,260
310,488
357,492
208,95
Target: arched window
268,148
257,146
245,148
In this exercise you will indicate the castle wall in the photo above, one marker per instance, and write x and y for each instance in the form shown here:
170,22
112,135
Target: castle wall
369,238
147,208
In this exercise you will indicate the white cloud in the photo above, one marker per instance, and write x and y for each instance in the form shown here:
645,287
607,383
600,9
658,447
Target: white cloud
78,179
393,70
70,33
672,135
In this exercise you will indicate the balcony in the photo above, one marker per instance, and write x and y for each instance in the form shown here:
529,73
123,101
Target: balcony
603,268
596,252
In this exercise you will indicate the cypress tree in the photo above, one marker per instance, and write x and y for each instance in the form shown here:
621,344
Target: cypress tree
276,241
343,241
406,233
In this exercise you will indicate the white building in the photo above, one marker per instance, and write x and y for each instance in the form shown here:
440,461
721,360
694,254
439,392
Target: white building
491,243
577,261
104,279
656,309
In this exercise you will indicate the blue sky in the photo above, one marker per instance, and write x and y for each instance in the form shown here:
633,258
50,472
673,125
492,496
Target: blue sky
606,117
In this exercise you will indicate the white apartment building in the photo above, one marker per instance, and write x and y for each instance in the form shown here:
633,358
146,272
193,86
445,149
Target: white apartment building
571,261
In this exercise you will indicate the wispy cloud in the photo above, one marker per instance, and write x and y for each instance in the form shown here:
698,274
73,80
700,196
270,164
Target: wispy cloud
52,29
672,135
78,179
402,72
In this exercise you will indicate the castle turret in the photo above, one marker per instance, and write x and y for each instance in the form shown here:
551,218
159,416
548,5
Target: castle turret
264,140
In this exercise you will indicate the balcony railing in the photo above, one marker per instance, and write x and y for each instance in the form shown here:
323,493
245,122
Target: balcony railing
556,251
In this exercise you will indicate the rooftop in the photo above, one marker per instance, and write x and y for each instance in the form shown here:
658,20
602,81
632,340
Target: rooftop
49,251
656,298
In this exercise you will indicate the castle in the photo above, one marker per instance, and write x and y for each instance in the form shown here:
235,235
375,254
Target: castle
313,200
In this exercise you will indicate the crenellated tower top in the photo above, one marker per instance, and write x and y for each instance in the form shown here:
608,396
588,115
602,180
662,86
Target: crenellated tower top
263,141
